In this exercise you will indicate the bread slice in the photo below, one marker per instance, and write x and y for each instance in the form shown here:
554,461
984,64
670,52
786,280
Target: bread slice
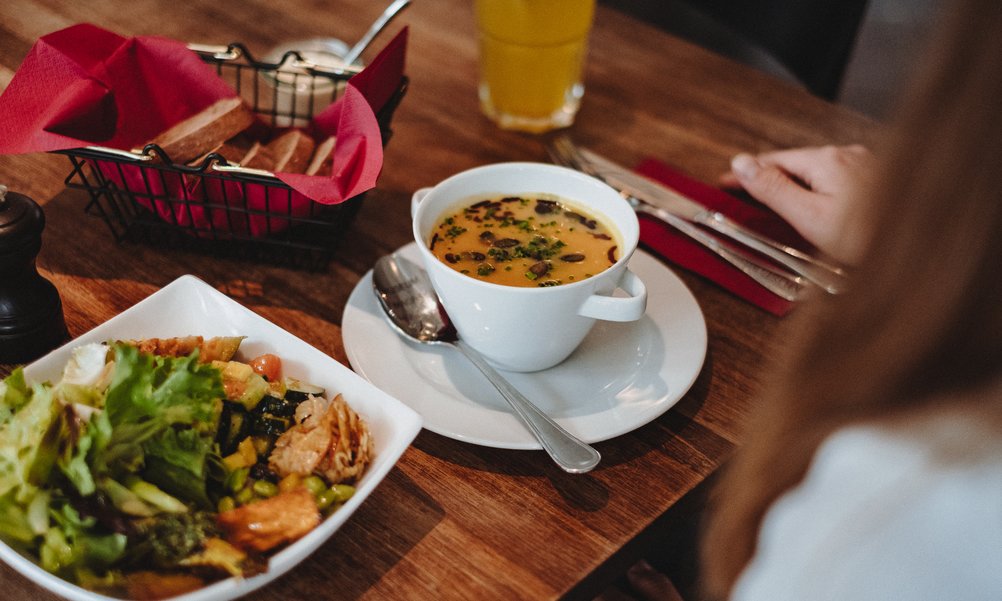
233,150
200,133
288,153
258,157
294,150
323,158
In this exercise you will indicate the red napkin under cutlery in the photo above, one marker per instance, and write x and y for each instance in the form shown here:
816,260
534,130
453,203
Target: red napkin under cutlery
662,239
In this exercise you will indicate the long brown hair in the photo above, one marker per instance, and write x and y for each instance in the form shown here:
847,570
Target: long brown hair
921,330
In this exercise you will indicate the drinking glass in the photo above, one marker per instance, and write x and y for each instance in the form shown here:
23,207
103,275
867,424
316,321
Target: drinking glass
531,58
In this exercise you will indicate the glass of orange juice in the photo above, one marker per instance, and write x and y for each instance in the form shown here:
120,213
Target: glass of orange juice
531,58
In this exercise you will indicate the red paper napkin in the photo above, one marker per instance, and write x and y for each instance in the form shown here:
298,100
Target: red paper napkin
667,242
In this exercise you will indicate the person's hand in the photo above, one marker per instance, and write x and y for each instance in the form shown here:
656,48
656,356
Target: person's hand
814,189
645,584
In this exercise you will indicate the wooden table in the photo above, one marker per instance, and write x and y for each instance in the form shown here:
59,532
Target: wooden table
452,520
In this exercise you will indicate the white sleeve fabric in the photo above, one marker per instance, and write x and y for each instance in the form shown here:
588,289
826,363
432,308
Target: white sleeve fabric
883,516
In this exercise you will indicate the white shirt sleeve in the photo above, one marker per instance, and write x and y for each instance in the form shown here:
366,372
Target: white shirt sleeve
882,516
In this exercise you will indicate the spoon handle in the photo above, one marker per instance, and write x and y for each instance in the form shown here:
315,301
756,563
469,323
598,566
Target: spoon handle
377,26
571,454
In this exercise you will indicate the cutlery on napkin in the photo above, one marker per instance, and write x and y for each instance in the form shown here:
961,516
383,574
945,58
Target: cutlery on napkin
672,204
660,238
674,235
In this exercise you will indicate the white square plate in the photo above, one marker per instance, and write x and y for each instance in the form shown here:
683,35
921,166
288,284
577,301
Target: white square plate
189,306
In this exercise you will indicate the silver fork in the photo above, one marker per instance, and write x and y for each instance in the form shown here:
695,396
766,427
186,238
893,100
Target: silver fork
778,281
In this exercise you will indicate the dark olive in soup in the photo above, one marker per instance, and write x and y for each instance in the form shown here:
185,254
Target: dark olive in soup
532,240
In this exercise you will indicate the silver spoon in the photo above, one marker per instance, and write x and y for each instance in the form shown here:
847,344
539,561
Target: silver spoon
374,29
406,295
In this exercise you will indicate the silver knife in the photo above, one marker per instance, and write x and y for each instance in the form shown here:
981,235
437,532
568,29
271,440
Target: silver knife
776,279
829,277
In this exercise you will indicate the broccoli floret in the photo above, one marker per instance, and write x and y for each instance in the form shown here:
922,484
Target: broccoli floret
165,540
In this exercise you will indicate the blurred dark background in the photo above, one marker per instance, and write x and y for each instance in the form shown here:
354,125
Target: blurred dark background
855,52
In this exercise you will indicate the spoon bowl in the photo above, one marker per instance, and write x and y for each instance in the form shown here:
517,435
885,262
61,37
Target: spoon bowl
412,307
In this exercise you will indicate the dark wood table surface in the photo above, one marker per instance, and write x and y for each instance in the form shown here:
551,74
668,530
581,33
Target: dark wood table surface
453,520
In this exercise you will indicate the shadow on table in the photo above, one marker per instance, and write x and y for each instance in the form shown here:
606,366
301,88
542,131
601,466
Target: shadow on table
80,246
685,447
393,520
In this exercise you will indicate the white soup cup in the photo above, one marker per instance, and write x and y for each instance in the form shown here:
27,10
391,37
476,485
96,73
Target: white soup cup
528,329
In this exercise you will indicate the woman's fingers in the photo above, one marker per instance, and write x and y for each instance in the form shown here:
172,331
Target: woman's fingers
650,584
811,188
776,189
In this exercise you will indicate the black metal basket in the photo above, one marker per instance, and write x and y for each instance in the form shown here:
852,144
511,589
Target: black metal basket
144,198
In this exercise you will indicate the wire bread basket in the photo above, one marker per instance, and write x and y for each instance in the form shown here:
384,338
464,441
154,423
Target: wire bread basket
217,207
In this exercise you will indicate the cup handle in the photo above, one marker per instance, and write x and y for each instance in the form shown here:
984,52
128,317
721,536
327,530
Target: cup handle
417,198
616,308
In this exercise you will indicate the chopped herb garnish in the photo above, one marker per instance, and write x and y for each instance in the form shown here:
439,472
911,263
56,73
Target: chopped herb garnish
542,240
454,231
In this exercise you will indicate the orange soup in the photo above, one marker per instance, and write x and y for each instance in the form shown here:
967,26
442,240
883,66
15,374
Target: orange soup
532,240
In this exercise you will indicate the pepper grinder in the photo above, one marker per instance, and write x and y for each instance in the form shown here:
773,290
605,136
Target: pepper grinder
31,313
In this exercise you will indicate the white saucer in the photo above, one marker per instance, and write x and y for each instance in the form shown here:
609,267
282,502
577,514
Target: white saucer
622,376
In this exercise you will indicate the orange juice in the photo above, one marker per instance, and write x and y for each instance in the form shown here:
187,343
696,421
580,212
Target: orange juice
531,57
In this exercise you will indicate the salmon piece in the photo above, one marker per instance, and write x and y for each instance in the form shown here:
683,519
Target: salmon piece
266,524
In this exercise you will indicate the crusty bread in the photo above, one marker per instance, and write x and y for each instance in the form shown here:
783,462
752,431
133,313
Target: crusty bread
233,150
288,153
323,158
206,130
294,150
258,157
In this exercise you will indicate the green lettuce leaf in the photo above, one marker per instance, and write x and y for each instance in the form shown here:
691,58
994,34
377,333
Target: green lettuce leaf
22,435
73,458
14,394
177,390
163,413
74,542
176,462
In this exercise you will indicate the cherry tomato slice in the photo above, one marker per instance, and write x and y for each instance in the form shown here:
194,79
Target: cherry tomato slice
267,365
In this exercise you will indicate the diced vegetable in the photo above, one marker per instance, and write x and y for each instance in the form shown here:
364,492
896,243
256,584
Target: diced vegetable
244,457
298,392
234,426
241,384
269,425
277,406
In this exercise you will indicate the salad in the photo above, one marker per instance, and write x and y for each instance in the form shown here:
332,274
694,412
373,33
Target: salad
154,467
